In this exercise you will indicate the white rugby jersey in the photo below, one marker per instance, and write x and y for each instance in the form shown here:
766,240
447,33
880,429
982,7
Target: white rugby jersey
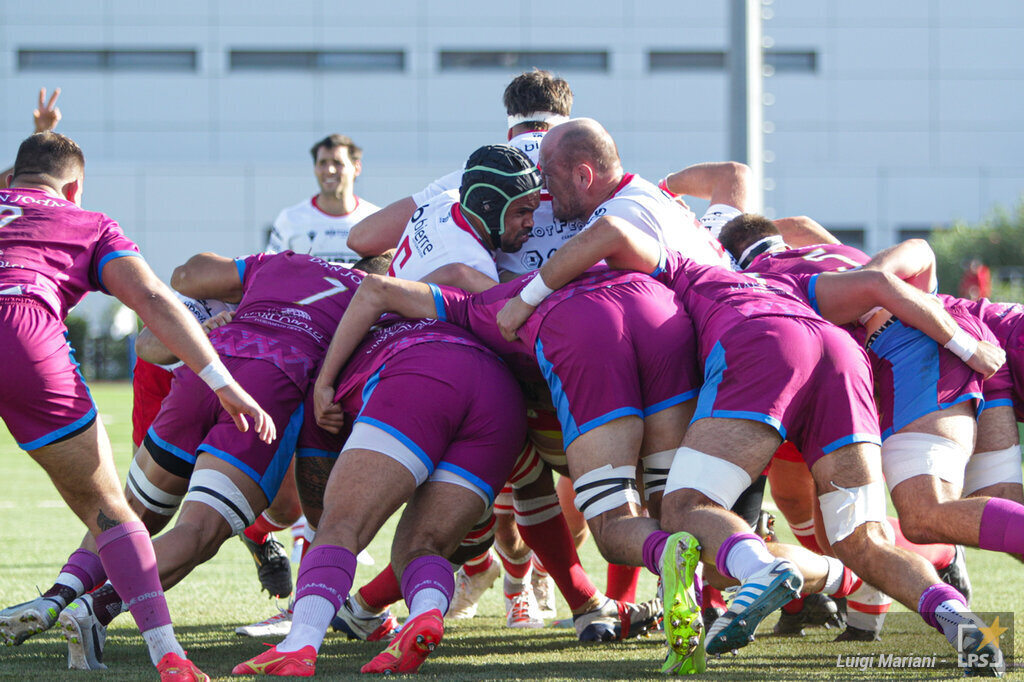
651,210
548,232
304,228
436,235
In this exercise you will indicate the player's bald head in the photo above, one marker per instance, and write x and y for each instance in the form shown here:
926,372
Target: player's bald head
583,140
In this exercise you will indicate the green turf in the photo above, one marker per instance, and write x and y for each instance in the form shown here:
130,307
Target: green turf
39,532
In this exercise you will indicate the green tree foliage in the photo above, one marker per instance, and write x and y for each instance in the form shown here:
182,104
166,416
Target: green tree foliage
998,241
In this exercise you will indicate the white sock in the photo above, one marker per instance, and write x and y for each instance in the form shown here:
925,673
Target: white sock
950,614
310,617
427,599
834,576
747,557
71,581
161,641
361,611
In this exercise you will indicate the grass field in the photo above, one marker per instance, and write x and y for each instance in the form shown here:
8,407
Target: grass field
39,532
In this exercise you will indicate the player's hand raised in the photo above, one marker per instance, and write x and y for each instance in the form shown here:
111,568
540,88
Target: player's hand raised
238,404
47,116
510,318
987,359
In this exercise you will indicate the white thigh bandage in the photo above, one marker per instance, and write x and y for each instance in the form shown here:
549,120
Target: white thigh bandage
843,509
604,489
218,491
989,468
906,455
151,497
720,481
368,437
656,468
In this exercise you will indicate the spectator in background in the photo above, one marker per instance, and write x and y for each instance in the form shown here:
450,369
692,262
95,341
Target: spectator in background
320,226
46,117
976,283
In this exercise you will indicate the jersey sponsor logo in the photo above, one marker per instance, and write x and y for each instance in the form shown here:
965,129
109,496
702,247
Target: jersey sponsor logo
420,238
295,312
383,336
281,321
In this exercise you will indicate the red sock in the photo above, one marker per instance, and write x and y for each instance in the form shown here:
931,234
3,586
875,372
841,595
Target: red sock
622,582
552,542
478,564
938,555
804,534
712,596
516,571
382,591
261,529
794,605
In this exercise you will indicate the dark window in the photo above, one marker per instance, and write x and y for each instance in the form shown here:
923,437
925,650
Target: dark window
680,61
849,235
918,231
452,60
318,60
113,60
791,60
700,60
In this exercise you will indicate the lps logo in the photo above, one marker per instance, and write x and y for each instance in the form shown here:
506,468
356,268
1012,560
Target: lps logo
977,645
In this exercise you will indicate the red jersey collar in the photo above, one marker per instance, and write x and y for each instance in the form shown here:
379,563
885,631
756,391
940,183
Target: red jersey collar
332,215
464,225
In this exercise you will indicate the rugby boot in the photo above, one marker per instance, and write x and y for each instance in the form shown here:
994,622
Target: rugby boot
406,653
758,596
301,663
684,627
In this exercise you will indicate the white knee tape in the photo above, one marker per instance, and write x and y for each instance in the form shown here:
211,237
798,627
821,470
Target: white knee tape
656,468
989,468
905,455
844,509
151,497
604,489
309,532
216,490
720,481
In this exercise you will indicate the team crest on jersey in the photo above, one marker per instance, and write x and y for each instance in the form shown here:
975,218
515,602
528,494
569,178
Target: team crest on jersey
295,312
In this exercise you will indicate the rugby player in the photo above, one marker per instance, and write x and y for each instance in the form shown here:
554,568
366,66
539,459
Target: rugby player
820,398
53,254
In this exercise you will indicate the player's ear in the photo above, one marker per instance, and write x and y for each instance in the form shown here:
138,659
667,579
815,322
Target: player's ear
72,191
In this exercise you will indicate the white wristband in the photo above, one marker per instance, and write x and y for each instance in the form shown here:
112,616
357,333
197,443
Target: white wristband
962,345
535,291
216,375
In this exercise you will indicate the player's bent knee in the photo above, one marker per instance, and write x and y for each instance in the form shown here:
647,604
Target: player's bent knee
906,455
605,488
217,491
149,495
844,510
720,481
986,469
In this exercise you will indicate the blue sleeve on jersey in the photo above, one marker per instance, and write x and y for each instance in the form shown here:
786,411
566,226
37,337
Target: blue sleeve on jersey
662,260
109,257
435,291
811,284
240,266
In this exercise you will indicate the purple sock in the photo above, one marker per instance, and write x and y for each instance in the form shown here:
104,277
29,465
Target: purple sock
1002,526
128,557
326,571
730,542
87,567
932,597
428,572
654,547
